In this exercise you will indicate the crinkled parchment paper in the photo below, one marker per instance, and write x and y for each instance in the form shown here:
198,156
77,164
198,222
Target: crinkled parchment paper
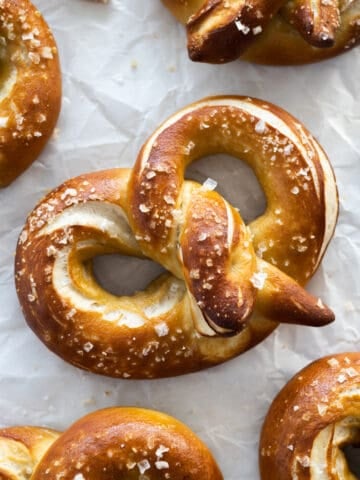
125,69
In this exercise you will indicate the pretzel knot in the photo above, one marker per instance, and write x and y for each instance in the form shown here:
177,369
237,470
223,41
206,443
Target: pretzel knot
276,32
311,420
113,443
228,284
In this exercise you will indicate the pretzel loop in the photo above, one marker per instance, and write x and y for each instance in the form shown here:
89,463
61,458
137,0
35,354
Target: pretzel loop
228,284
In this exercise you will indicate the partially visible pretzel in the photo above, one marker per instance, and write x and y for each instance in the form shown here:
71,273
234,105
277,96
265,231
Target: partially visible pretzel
21,450
129,443
220,298
268,32
30,86
313,417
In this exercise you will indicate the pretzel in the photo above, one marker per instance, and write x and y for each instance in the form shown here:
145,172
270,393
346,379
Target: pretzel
313,417
21,450
227,286
111,443
280,32
30,86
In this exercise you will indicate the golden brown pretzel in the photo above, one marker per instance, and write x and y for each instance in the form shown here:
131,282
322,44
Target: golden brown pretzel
30,86
220,298
268,32
21,449
130,443
313,417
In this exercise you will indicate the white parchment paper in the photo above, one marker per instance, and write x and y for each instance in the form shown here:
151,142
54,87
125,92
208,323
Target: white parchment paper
125,69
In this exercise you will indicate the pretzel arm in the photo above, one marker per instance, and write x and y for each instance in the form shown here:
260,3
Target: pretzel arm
317,21
221,31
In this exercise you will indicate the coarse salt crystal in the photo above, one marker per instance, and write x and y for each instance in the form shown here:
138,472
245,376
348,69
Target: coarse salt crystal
41,118
169,200
46,52
143,208
23,237
258,280
195,273
161,465
51,251
341,378
79,476
69,192
319,303
241,27
304,461
322,409
161,450
351,372
260,127
70,314
333,362
143,466
34,57
27,36
161,329
88,347
209,184
288,149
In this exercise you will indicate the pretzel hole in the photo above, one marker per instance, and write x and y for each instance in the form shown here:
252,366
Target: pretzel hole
122,275
237,183
352,455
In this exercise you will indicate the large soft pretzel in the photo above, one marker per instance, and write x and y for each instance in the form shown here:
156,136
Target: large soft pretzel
269,32
314,416
228,285
30,86
129,443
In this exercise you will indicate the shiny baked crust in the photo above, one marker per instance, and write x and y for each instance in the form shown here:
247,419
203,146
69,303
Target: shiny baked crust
21,449
313,417
30,86
227,286
127,443
276,32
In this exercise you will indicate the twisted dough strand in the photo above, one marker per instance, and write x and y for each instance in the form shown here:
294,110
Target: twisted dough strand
214,247
260,31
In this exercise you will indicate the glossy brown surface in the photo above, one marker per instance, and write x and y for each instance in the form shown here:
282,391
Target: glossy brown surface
269,32
228,284
314,416
124,443
30,89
